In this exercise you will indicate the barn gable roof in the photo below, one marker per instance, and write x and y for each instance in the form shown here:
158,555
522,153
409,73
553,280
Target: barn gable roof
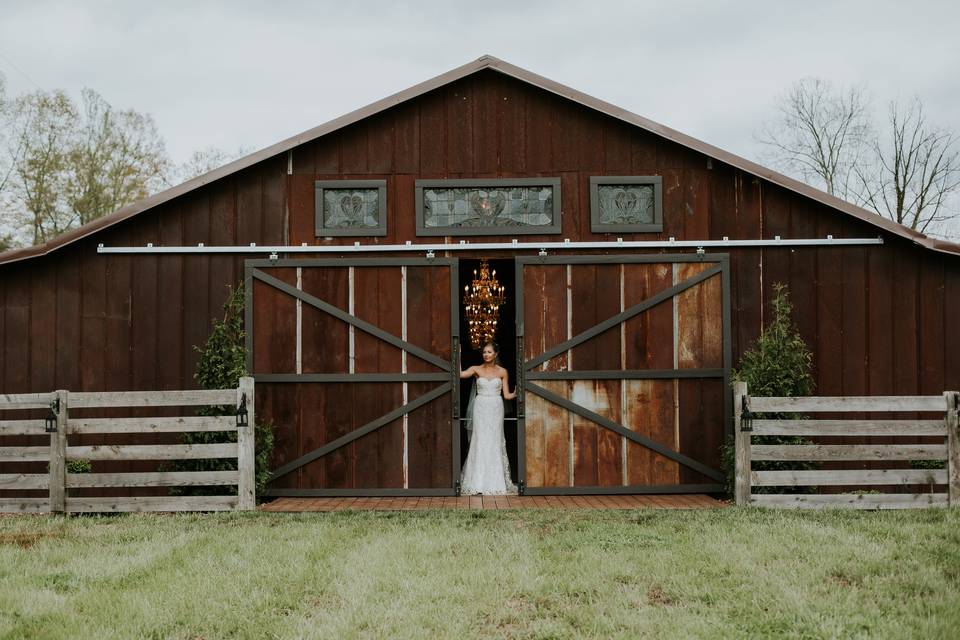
495,64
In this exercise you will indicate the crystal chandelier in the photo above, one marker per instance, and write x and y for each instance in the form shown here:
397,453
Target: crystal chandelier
482,300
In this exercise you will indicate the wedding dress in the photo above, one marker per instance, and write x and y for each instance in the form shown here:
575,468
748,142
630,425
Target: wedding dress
487,469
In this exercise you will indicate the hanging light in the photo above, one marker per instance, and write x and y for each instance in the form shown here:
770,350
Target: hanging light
482,300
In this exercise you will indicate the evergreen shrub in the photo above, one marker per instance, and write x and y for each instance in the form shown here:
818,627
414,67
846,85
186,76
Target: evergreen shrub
222,363
779,363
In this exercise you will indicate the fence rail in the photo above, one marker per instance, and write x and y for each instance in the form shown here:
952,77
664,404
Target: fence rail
59,426
749,422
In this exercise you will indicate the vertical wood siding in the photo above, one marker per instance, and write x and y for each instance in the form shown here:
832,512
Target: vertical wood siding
875,317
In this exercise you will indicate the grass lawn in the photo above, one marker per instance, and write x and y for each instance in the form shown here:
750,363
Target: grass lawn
727,573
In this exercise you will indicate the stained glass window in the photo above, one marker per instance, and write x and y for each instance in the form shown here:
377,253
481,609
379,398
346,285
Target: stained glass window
351,207
625,204
491,207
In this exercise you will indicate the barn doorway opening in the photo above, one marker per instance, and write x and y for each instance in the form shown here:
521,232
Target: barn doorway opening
506,338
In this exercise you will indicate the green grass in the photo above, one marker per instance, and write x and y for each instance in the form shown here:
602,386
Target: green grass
449,574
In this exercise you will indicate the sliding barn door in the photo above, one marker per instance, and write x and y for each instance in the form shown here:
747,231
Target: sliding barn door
353,364
624,373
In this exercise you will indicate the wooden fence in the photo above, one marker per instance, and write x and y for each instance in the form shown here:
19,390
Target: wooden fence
749,422
57,482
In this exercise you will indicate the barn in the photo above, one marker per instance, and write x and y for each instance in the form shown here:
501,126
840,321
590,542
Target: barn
637,264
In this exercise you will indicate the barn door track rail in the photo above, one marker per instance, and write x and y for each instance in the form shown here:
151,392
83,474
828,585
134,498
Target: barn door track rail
431,248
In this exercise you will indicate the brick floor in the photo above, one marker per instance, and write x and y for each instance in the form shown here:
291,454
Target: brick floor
404,503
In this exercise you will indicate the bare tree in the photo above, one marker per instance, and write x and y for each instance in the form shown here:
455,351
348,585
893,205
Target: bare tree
820,135
917,171
7,161
203,161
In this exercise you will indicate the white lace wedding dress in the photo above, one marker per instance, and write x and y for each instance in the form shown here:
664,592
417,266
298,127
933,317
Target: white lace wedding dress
487,469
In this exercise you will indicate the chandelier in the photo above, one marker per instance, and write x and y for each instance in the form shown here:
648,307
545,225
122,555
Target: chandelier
482,300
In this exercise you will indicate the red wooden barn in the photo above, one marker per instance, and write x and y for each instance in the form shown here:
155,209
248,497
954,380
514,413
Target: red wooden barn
638,263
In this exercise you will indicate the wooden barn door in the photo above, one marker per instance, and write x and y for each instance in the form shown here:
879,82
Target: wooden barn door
624,373
353,364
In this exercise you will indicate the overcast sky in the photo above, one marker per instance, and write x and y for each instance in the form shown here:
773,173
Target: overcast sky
248,74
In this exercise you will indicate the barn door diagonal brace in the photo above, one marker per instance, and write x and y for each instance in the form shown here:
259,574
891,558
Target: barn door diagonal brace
623,431
623,316
351,319
362,431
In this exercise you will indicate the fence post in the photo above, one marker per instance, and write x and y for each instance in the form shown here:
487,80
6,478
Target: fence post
742,447
953,449
57,467
246,489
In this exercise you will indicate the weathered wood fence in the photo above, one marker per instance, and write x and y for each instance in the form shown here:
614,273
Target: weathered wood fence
749,422
60,427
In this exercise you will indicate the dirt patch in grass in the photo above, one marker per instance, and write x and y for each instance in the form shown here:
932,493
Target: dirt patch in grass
24,540
512,616
656,596
844,580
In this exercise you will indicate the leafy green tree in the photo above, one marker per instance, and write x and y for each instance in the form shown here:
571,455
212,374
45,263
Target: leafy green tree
116,157
62,166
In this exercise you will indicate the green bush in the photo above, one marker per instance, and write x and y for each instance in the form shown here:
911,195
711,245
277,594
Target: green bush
222,363
79,466
779,363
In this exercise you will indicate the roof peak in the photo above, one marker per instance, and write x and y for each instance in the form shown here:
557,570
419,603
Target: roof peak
485,61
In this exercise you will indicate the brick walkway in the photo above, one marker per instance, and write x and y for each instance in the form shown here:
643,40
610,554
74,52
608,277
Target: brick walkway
688,501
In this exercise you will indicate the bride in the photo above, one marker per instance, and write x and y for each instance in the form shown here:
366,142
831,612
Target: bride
487,470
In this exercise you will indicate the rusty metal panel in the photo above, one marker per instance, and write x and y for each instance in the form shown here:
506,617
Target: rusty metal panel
597,451
585,297
649,410
557,442
547,441
647,336
544,311
699,320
